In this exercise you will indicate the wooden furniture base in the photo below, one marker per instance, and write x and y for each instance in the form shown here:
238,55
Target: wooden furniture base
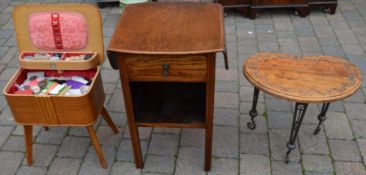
28,136
250,8
317,79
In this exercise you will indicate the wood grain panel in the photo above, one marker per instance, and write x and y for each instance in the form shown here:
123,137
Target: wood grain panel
277,2
316,79
181,68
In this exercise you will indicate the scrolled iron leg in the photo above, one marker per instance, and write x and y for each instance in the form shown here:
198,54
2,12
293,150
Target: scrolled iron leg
299,113
253,112
321,117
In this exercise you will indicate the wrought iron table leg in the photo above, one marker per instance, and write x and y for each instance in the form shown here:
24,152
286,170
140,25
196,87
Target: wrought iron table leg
321,117
253,112
299,113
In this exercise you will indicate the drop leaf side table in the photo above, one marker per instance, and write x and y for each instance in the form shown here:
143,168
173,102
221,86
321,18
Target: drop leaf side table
315,79
166,53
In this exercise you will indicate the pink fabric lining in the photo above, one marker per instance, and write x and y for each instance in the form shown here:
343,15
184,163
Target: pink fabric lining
74,31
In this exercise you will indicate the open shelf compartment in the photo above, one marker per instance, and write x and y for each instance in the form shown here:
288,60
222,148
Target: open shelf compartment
169,104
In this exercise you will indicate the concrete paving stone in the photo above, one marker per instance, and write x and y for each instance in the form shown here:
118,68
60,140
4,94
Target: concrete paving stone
173,131
26,170
310,143
245,107
309,44
352,16
159,164
190,161
261,124
346,36
110,76
282,168
119,119
328,42
125,152
107,137
362,145
324,31
7,73
254,144
353,50
224,166
64,166
226,116
74,147
6,33
4,18
349,168
311,115
356,110
10,162
246,94
109,87
278,105
265,46
264,28
78,131
225,99
337,106
3,51
333,51
305,32
227,75
278,142
144,133
359,128
91,164
317,163
254,165
42,155
359,30
6,118
344,150
318,19
19,131
125,168
283,26
5,132
267,37
14,143
163,144
193,138
226,86
245,33
337,126
11,41
285,42
116,104
360,61
10,54
52,136
339,25
294,50
111,20
250,50
279,120
286,34
225,142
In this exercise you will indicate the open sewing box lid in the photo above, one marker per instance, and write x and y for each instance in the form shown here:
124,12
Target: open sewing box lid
80,27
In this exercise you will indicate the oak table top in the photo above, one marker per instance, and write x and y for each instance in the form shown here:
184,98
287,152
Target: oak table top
313,79
168,28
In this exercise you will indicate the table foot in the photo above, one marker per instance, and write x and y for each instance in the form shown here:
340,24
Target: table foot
299,113
321,117
253,112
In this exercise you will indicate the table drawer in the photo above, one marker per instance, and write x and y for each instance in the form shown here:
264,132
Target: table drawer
167,68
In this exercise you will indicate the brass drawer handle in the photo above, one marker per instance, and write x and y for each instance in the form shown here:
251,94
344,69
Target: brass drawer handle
166,70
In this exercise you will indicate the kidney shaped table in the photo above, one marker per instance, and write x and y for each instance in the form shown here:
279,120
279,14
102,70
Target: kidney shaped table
315,79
